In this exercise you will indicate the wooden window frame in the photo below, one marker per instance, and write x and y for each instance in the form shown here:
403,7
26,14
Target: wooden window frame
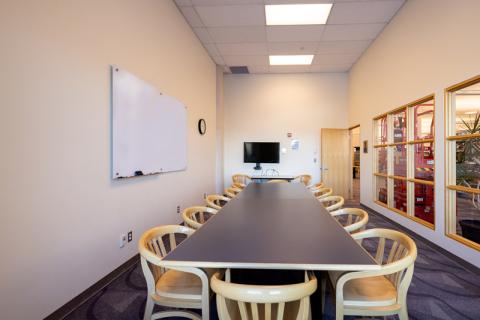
451,189
409,142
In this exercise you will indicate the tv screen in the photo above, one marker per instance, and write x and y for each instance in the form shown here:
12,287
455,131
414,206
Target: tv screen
261,152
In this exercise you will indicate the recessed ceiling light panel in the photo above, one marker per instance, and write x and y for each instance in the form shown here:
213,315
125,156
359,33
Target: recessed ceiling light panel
291,60
297,14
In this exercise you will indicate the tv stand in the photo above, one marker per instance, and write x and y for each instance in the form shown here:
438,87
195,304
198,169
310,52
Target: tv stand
257,167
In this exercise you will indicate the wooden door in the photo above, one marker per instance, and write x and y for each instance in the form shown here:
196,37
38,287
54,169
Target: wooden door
336,163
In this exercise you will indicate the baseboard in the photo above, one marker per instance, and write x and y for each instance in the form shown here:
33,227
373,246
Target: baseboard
467,265
76,302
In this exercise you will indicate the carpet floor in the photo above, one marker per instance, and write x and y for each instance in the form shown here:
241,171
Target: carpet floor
441,289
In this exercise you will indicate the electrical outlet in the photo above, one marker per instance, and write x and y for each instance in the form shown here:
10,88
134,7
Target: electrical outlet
130,236
122,241
178,209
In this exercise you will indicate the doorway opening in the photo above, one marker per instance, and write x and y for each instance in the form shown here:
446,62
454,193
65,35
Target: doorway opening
355,167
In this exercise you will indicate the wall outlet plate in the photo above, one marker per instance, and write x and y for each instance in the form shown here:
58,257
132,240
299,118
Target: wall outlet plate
130,236
122,241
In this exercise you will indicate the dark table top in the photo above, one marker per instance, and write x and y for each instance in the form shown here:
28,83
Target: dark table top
272,226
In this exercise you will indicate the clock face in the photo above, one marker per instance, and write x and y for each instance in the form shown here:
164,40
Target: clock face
202,126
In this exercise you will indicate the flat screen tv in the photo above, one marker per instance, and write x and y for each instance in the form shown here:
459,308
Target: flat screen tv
261,152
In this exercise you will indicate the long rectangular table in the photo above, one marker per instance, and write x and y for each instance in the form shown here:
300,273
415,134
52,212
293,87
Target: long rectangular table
272,226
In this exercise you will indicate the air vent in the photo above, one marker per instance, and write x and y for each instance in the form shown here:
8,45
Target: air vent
239,70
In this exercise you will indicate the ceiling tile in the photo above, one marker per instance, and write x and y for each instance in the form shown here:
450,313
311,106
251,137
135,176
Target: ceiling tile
335,59
255,48
218,60
238,34
224,2
181,3
292,47
297,1
363,12
352,31
330,68
212,49
294,33
329,47
258,69
235,15
203,35
289,69
245,60
192,17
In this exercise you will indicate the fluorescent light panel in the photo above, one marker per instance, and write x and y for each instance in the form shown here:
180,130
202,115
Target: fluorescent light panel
297,14
291,60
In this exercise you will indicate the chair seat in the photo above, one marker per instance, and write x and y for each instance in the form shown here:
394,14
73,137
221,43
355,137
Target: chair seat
181,285
367,292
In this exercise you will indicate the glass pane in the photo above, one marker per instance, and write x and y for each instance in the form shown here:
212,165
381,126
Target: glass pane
424,202
467,110
468,216
424,160
381,192
400,126
400,160
381,131
424,120
400,195
468,163
381,160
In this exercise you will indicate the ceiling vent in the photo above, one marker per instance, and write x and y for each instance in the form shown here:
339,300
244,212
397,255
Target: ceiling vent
239,70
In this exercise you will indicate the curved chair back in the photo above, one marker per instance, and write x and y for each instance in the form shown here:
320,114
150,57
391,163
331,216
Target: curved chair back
241,178
232,192
396,266
245,302
155,244
238,185
322,192
352,219
277,181
332,203
304,178
195,217
316,186
216,201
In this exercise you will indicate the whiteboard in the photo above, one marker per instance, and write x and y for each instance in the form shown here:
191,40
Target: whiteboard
149,129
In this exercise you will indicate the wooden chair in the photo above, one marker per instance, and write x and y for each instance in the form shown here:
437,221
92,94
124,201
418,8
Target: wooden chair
232,192
241,179
245,302
195,217
216,201
238,185
303,178
322,192
381,292
277,181
185,287
332,203
352,219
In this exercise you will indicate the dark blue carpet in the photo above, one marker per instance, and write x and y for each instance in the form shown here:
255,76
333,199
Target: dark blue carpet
441,290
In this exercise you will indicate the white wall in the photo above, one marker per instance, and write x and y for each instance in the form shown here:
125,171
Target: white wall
219,132
61,214
428,46
267,107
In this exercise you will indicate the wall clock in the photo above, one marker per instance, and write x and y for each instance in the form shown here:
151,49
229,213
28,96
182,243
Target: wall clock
202,126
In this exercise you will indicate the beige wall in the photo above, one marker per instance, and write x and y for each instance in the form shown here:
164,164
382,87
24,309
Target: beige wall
428,46
61,214
267,107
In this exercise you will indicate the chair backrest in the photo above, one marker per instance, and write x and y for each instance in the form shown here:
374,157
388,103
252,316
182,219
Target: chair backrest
322,192
155,244
238,185
196,216
352,219
262,302
277,181
216,201
232,192
316,186
396,253
332,203
304,178
241,178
